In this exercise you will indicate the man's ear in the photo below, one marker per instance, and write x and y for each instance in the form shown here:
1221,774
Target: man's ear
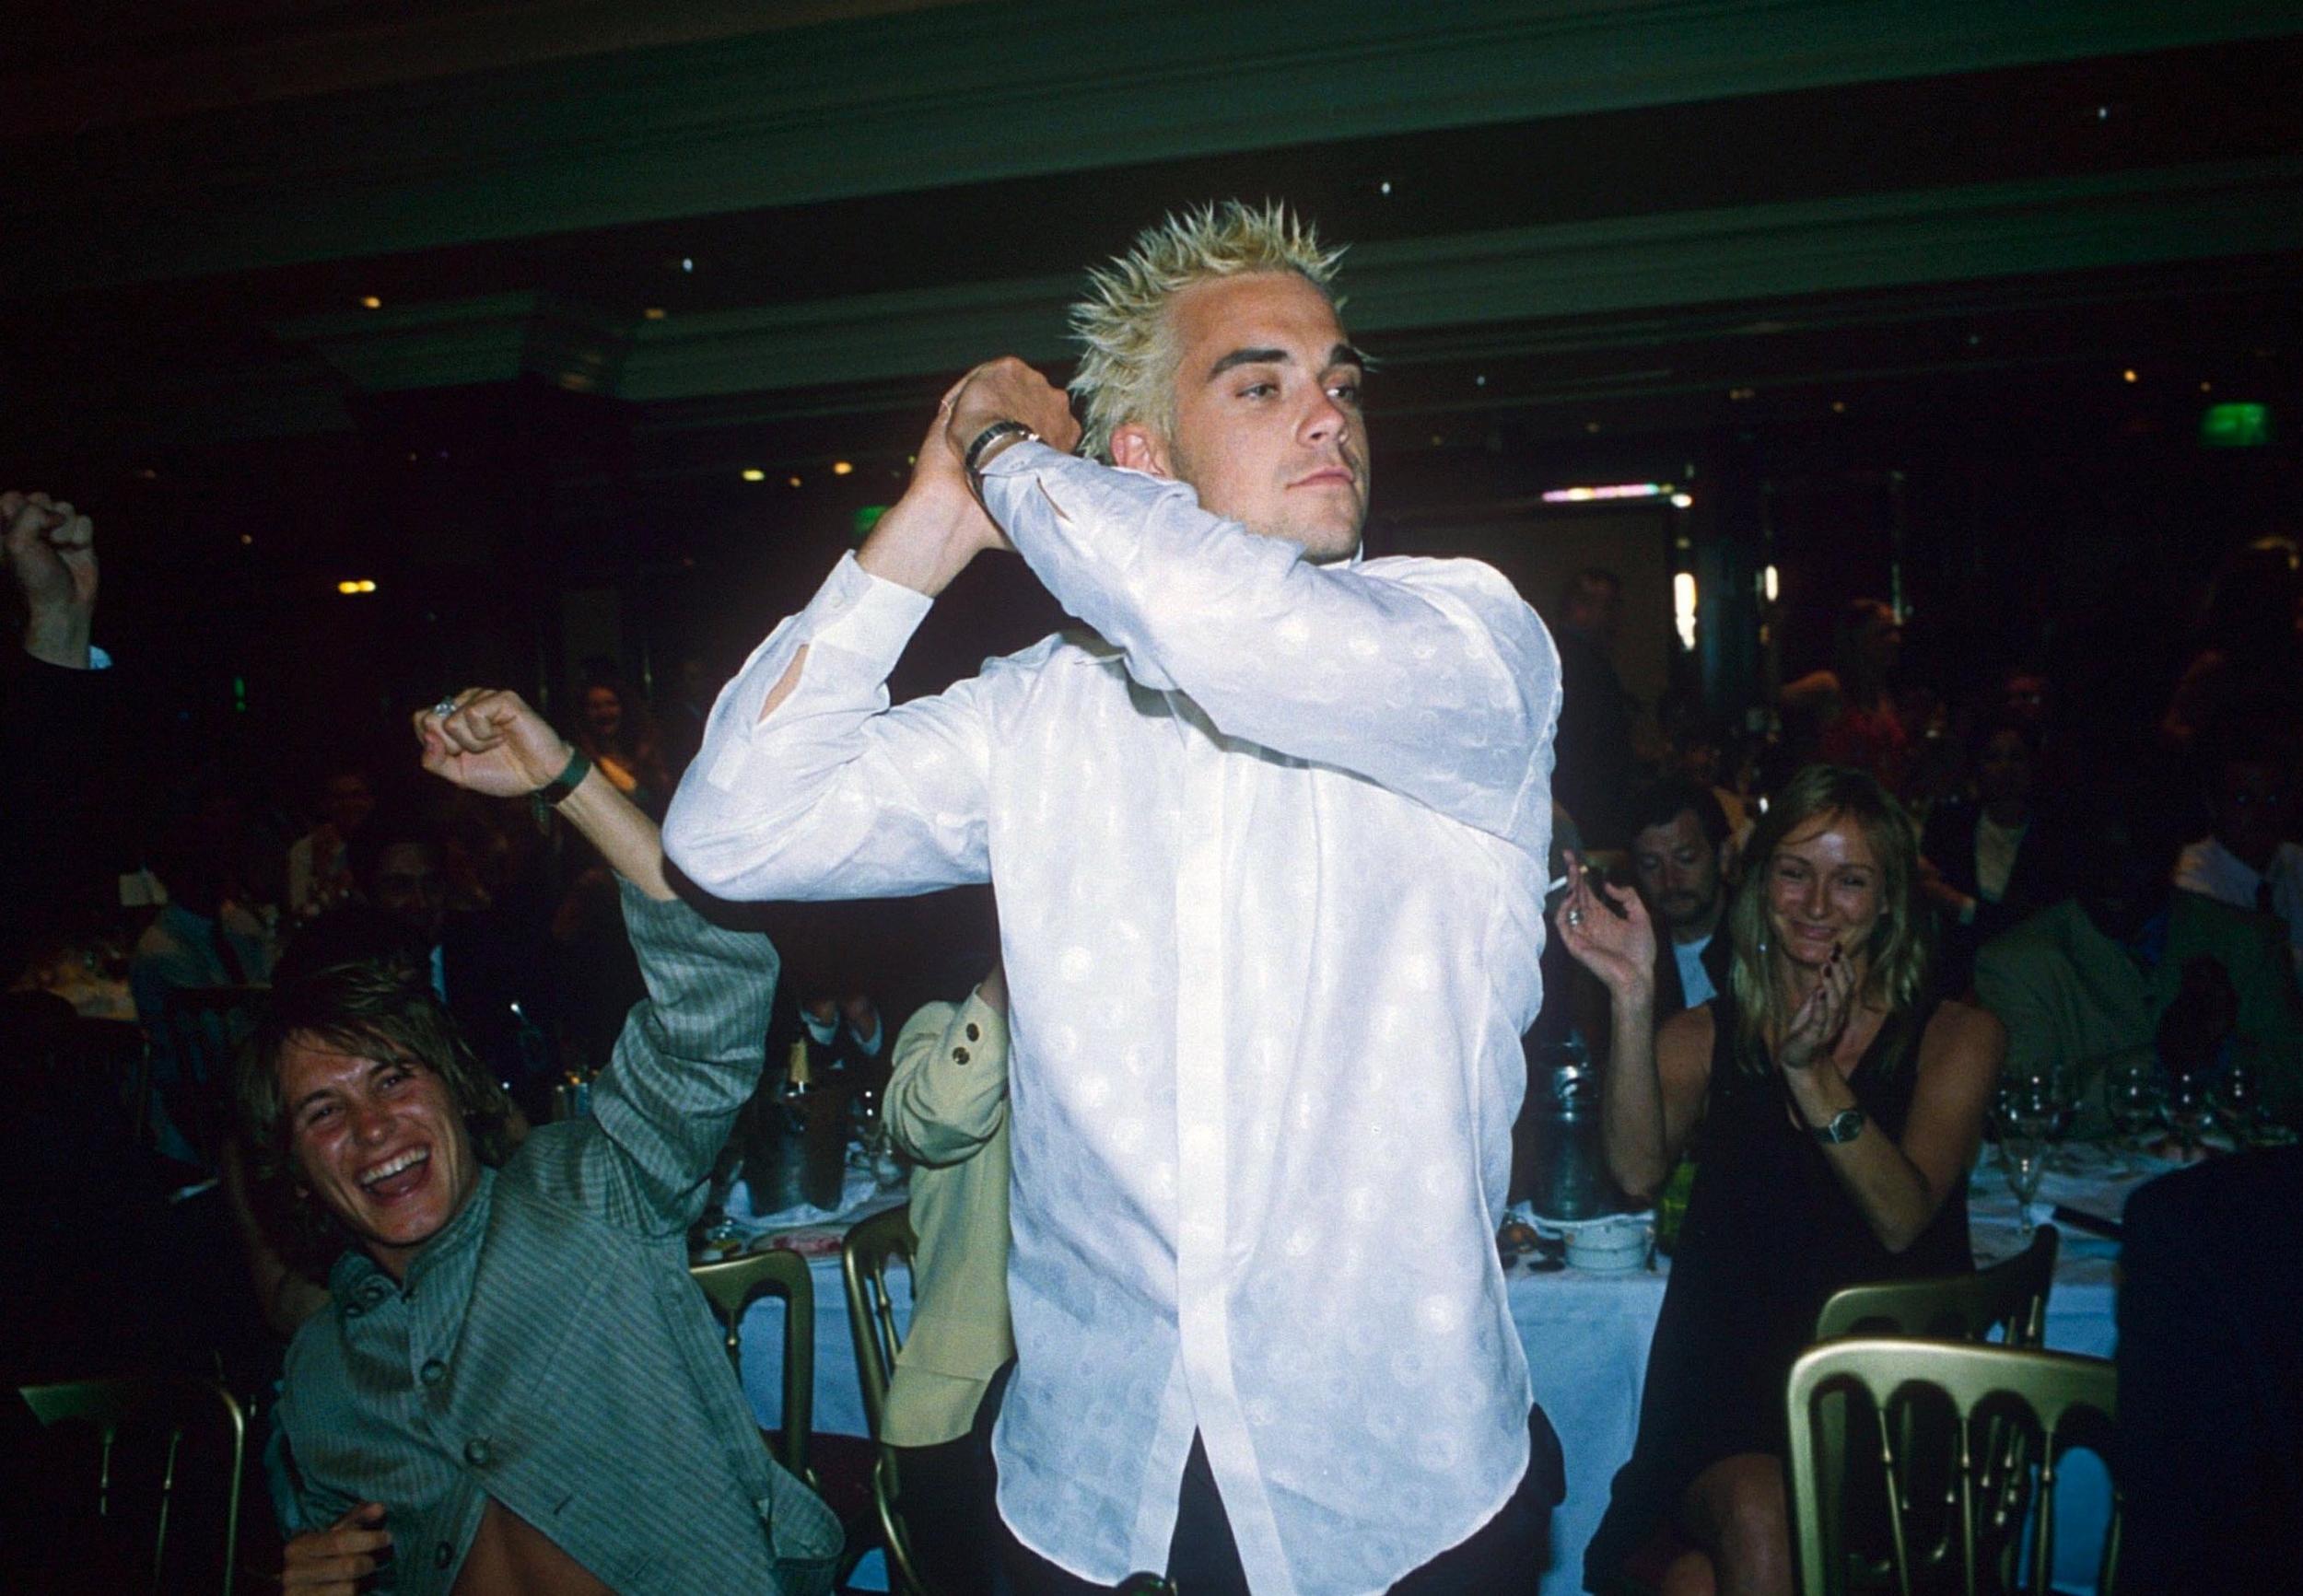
1137,447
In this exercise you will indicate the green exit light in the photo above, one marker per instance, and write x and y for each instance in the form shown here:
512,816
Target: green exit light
866,518
2236,426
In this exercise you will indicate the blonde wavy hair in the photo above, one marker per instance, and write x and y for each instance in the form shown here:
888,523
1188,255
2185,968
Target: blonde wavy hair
1901,943
1130,354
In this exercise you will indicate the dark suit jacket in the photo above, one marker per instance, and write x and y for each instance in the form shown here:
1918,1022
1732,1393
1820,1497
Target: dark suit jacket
1950,845
2208,1454
60,795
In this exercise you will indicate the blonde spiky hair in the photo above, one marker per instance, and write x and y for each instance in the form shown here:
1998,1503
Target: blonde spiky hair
1128,365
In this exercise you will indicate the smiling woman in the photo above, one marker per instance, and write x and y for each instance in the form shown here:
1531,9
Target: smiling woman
1839,1110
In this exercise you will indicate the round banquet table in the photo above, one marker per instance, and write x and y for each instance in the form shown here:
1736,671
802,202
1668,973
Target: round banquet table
1586,1336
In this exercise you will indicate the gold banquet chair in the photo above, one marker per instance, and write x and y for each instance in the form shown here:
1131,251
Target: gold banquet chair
191,1424
2010,1296
2061,1401
732,1287
864,1257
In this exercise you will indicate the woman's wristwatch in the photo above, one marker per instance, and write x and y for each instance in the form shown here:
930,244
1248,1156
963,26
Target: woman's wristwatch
1842,1127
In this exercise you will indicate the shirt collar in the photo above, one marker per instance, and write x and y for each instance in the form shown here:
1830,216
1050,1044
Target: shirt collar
361,1284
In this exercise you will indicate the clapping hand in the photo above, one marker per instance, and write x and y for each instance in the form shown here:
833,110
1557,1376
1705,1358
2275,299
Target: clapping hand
489,741
1816,1024
1614,940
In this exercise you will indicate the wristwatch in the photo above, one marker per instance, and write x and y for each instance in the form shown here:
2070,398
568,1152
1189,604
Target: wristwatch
1842,1127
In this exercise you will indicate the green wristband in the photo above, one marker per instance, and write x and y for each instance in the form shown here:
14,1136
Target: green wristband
560,785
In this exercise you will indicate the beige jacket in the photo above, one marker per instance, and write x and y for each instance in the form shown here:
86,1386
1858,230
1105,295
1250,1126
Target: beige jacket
947,1107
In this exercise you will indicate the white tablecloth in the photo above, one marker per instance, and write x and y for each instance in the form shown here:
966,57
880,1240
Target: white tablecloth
1586,1336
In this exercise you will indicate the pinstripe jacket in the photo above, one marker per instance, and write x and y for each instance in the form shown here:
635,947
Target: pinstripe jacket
548,1349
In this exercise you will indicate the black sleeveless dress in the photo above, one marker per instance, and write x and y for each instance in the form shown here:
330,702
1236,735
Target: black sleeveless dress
1769,1232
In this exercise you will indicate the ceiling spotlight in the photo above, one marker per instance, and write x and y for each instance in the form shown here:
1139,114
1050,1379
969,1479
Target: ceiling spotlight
687,262
1682,501
370,302
148,473
841,468
1742,392
1591,427
794,481
2128,375
355,585
1839,407
1383,187
654,313
755,475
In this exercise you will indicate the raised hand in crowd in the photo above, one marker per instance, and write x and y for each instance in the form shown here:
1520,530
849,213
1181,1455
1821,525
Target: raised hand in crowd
337,1561
52,558
489,741
1616,944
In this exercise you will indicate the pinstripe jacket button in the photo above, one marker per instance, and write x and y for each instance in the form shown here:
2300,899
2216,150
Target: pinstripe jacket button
433,1371
443,1554
478,1451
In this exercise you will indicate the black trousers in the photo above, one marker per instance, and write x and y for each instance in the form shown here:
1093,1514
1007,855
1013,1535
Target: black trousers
1507,1553
945,1495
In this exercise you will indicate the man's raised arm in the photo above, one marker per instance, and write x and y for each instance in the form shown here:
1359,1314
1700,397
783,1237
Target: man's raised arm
1432,678
808,785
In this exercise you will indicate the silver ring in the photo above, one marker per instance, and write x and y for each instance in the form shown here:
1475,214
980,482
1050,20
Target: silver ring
444,708
1574,917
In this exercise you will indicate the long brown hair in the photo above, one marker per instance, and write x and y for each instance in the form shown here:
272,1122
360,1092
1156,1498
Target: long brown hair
1901,945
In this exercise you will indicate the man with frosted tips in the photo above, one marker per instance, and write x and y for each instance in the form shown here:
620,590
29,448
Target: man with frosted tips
1268,832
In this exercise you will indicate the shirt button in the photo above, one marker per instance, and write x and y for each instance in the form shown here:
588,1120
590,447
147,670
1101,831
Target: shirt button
443,1554
959,1055
476,1451
433,1371
975,1033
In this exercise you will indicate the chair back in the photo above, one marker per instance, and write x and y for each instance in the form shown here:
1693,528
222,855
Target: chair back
203,1026
2059,1402
732,1287
2010,1296
186,1424
864,1257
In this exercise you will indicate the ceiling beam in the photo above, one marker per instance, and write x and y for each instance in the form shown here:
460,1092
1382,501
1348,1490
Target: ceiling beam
959,94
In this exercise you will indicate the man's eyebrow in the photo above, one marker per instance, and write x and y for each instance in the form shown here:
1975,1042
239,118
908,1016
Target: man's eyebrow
1248,357
1341,354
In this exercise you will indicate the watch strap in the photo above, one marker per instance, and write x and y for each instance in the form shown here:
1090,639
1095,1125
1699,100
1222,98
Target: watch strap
991,441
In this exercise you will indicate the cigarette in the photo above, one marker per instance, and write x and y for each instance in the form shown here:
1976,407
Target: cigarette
1557,882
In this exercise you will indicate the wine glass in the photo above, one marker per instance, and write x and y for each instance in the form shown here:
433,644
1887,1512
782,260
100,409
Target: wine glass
2238,1097
2033,1111
2134,1099
2023,1158
2188,1107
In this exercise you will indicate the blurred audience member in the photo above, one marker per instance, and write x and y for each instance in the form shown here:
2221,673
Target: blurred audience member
2129,963
2250,656
1849,710
947,1108
205,938
682,715
2248,859
1982,872
1679,855
59,707
319,863
1595,767
2211,1379
617,734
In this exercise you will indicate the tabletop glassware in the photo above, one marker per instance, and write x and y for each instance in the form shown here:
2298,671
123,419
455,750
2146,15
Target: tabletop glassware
2033,1111
2236,1096
2136,1098
2189,1106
